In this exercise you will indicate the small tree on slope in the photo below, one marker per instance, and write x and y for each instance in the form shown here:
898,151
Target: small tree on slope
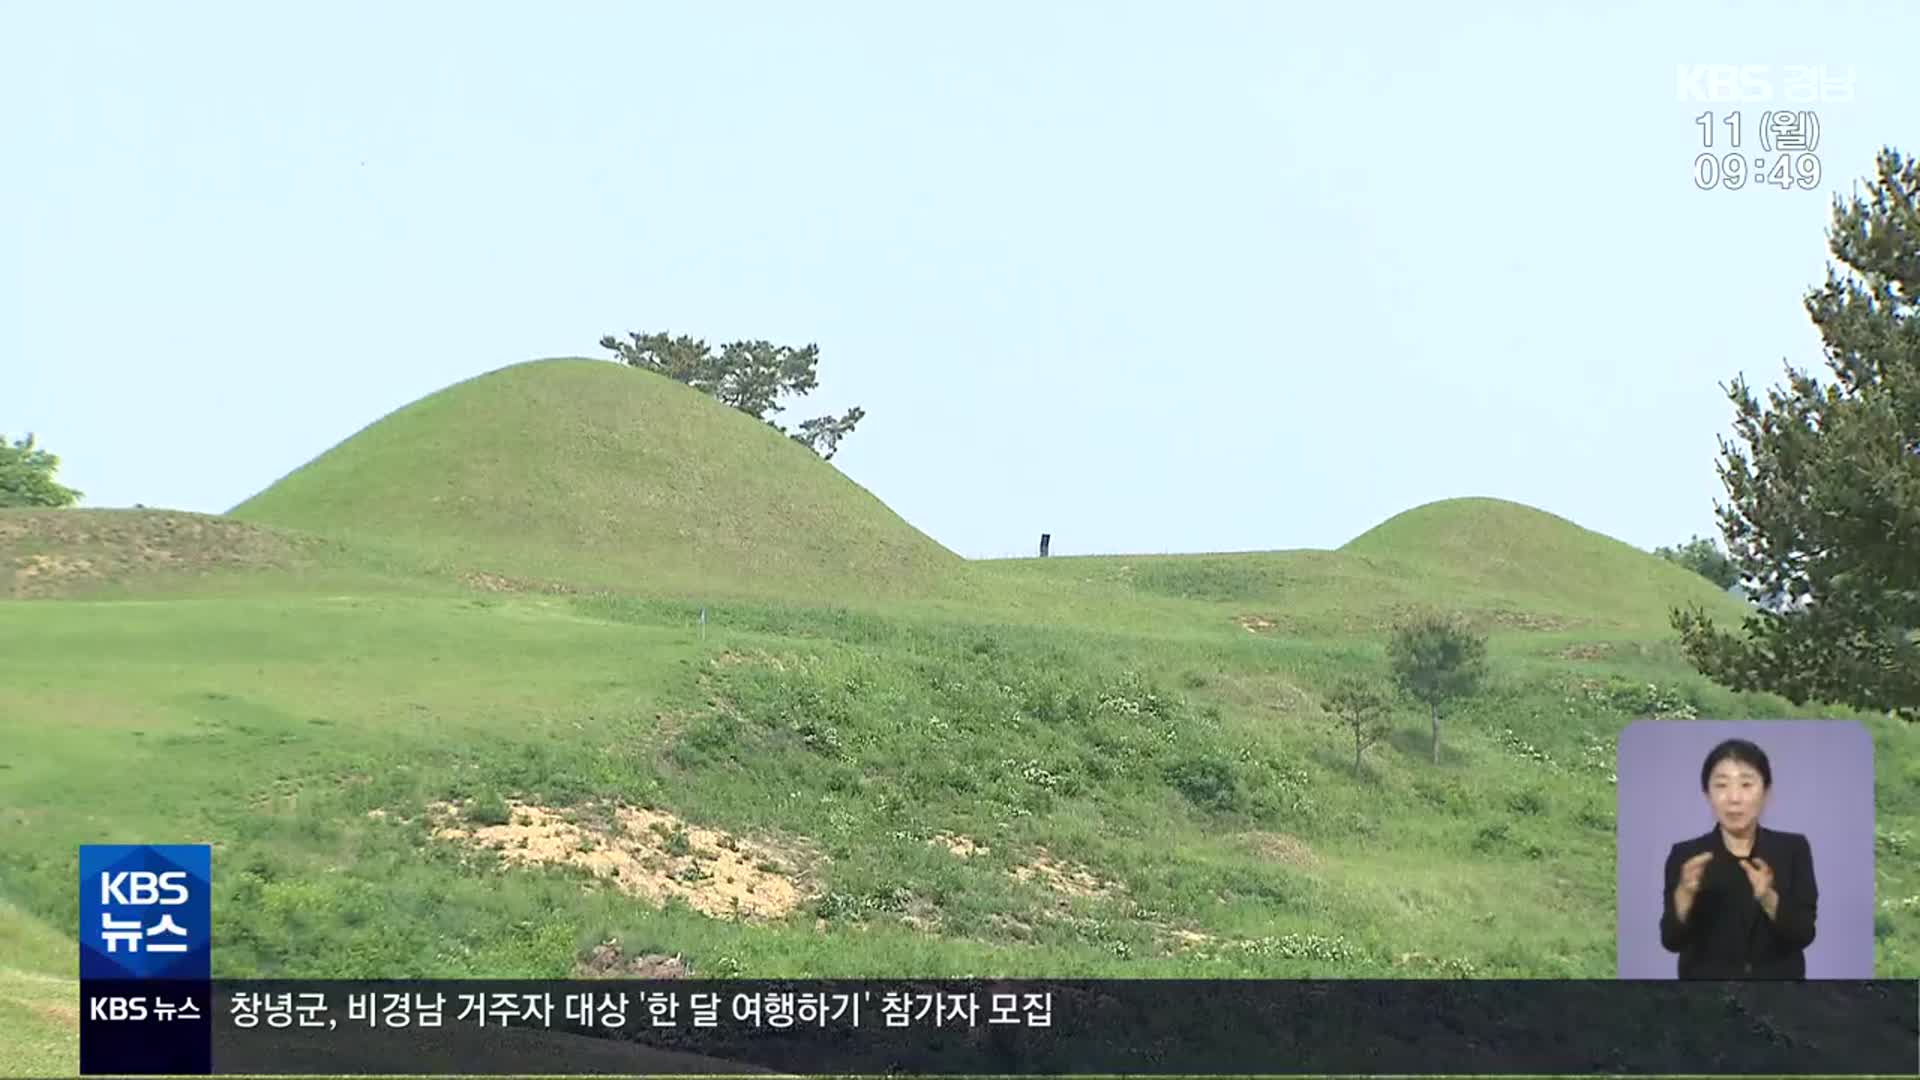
1360,708
1437,660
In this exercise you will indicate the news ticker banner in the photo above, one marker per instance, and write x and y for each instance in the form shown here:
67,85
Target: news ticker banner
148,1006
972,1027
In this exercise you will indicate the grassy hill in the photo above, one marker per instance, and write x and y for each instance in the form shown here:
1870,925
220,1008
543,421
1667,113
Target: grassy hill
591,474
413,757
1507,567
1534,560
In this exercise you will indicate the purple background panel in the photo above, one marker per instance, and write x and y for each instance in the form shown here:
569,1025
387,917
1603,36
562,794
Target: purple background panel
1822,788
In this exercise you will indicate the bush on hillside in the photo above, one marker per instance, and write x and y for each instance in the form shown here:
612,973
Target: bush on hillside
488,810
1207,782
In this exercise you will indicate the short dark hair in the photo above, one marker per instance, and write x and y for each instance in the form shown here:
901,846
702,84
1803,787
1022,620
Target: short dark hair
1742,751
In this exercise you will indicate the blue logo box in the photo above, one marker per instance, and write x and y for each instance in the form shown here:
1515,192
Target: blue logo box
145,912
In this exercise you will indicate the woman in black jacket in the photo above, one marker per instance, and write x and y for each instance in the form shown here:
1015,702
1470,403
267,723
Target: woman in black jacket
1739,902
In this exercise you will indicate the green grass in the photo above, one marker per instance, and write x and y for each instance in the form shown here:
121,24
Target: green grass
1505,566
856,696
598,474
39,996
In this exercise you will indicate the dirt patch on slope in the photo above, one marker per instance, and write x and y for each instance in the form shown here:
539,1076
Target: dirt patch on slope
1256,624
645,853
607,962
1179,940
46,553
1066,878
487,582
1527,620
1281,848
963,846
1586,651
760,658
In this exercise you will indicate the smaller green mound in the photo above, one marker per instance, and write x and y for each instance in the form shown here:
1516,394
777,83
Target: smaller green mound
593,474
1504,566
1534,558
58,553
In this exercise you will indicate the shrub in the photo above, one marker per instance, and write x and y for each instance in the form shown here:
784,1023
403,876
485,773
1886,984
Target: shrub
489,809
1206,782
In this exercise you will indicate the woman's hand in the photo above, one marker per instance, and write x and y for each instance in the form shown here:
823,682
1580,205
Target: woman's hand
1760,876
1691,872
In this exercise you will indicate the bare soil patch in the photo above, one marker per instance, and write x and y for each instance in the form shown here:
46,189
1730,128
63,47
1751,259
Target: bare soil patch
1066,878
489,582
607,962
1282,848
649,854
964,847
1527,620
1018,929
1189,939
730,658
1592,650
921,914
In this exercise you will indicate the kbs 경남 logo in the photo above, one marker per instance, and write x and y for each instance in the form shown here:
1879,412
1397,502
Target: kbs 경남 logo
145,911
1752,84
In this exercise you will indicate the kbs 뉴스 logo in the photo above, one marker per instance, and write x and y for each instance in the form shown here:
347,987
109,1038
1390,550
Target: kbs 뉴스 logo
145,911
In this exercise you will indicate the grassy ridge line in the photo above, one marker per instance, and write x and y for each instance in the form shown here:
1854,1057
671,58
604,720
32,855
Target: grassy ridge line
110,554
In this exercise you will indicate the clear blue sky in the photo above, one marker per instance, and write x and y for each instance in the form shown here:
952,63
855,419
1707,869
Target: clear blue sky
1153,277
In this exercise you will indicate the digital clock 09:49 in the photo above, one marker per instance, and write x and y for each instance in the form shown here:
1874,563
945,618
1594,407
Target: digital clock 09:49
1734,170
